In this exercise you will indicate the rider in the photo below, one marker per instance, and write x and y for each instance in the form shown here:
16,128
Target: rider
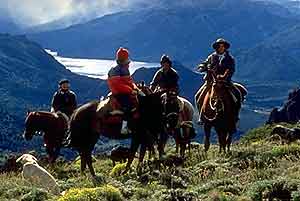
223,65
166,78
122,86
64,100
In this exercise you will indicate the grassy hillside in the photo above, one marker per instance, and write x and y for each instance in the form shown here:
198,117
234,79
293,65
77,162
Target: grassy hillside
257,169
29,78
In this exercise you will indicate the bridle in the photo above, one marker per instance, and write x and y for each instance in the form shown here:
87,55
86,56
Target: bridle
214,99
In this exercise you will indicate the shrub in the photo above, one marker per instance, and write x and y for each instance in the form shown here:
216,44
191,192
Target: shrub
105,193
35,195
117,170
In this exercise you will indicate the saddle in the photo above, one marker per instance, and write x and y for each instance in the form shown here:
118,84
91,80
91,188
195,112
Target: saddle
110,108
237,91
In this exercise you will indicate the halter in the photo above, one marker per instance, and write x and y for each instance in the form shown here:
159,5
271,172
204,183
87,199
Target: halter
211,105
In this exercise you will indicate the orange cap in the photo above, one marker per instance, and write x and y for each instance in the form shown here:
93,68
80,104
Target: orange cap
123,56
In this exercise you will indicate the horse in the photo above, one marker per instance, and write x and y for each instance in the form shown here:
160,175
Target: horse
52,125
219,110
179,114
87,125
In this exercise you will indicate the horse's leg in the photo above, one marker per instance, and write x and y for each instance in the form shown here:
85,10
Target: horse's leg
182,149
83,160
228,141
135,143
51,154
151,151
89,162
177,145
56,152
162,143
222,140
207,129
141,157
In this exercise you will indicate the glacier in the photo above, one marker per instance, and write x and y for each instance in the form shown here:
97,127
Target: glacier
95,68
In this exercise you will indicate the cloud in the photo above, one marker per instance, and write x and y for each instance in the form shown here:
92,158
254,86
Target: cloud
33,12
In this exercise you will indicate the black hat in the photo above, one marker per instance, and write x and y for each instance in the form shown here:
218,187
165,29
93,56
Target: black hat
165,58
63,81
215,45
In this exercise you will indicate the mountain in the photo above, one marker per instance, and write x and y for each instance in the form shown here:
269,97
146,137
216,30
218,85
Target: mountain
190,82
29,78
185,31
276,58
7,24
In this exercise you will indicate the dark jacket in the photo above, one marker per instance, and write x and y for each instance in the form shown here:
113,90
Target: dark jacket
165,79
64,102
220,67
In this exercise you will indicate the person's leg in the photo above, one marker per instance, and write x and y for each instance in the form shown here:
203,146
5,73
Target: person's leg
199,98
237,98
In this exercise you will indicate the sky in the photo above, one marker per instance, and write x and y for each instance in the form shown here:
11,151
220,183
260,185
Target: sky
33,12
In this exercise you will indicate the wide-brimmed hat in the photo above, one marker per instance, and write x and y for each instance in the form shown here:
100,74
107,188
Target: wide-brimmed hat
215,45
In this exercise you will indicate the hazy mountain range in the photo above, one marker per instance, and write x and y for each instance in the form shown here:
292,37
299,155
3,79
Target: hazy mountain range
258,32
264,39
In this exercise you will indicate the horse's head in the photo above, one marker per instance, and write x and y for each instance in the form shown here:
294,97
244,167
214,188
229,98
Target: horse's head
30,125
144,88
171,109
151,107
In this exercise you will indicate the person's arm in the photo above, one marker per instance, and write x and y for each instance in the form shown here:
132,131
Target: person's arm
230,70
54,103
74,102
176,81
155,80
204,66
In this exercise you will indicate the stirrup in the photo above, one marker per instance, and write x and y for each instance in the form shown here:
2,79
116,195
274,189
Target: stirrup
116,112
200,122
125,130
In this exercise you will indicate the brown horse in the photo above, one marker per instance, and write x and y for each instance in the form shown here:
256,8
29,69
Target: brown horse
219,111
52,125
179,121
87,124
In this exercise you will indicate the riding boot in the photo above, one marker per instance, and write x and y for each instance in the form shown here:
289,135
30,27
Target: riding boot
127,116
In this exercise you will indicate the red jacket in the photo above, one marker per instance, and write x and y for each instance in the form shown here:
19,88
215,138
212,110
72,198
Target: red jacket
119,80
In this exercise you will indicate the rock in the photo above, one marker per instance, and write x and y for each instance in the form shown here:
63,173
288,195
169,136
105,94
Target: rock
286,134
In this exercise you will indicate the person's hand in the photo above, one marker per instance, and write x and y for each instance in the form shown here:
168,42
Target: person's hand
135,92
220,77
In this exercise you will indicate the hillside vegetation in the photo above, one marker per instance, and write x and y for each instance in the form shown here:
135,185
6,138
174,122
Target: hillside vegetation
257,169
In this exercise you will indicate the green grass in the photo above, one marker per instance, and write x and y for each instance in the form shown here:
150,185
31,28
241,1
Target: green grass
257,169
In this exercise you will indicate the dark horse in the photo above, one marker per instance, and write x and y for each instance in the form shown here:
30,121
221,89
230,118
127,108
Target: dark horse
219,111
86,126
54,127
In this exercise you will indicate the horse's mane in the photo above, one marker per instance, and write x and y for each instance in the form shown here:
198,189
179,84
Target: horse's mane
44,113
38,114
186,107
